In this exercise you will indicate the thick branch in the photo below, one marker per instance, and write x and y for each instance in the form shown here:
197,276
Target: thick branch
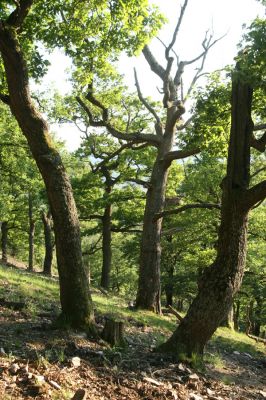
179,154
259,144
186,207
17,17
259,127
139,182
255,195
154,65
134,137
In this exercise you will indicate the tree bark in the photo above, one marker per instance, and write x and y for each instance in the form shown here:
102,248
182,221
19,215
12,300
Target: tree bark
223,278
169,287
228,321
74,294
4,236
106,248
48,241
236,314
31,233
106,231
149,287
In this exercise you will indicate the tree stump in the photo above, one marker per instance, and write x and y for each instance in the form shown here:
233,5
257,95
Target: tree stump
113,332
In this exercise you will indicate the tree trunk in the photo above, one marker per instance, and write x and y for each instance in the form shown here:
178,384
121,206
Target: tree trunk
4,235
257,316
74,295
228,321
31,234
48,241
106,248
106,230
223,278
236,314
149,287
250,317
169,287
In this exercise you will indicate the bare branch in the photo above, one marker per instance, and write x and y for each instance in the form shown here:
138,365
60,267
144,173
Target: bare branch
207,45
154,65
182,12
17,17
144,102
185,124
139,182
209,206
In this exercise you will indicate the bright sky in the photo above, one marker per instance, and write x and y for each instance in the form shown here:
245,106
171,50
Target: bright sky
218,16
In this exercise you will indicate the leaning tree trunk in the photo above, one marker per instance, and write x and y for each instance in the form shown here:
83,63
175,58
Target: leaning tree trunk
223,278
149,287
48,241
74,294
31,234
4,235
106,247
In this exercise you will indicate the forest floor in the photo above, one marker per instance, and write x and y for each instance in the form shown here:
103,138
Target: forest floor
39,362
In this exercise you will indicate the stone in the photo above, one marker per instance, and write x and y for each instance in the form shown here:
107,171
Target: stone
193,396
2,351
75,362
14,368
193,377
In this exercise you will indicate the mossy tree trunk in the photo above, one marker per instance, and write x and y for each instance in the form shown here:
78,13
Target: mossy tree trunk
75,299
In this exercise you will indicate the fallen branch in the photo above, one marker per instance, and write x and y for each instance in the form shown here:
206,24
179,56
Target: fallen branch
175,313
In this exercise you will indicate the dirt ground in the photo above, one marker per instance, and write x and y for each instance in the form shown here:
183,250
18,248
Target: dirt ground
37,362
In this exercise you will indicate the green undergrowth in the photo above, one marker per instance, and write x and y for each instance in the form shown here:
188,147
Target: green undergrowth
41,293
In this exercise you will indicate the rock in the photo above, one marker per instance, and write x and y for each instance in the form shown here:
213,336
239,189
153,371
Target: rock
153,381
14,368
193,396
209,392
39,379
75,361
236,353
2,352
55,385
181,367
262,393
80,395
193,377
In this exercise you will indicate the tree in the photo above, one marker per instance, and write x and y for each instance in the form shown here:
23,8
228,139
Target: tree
75,298
221,281
163,140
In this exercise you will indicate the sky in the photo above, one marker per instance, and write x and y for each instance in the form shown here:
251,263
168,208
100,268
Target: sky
220,17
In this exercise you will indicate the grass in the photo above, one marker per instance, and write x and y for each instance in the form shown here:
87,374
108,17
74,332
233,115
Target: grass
40,293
